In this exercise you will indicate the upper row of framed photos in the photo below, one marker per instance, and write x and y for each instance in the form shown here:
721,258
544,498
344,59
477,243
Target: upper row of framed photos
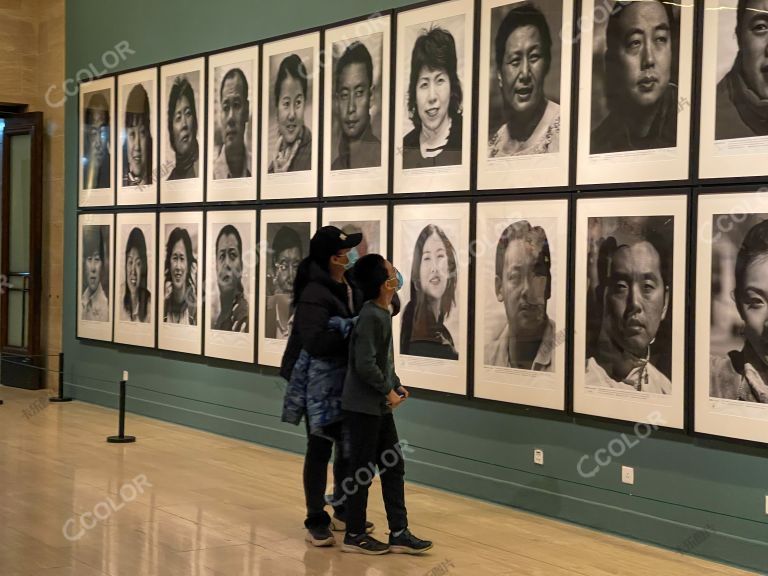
400,118
483,313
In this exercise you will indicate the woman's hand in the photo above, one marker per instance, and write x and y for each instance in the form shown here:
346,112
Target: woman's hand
394,399
403,391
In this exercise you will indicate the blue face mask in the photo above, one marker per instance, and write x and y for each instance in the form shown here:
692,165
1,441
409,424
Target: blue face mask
352,257
400,281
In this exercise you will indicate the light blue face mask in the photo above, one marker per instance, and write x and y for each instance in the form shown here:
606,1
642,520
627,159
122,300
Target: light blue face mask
400,281
352,257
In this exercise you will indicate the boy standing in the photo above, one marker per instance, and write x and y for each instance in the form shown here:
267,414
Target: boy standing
371,390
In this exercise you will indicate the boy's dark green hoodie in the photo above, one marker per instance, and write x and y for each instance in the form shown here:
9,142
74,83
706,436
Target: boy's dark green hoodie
371,372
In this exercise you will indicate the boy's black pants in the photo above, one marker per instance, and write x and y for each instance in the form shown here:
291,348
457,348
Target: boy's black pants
371,442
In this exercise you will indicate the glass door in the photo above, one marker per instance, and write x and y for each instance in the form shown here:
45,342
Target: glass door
21,250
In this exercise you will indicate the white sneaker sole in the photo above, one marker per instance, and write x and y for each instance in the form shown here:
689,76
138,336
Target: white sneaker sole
357,550
406,550
320,543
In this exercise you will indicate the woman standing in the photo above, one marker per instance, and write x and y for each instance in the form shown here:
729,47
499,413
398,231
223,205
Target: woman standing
322,291
136,297
432,297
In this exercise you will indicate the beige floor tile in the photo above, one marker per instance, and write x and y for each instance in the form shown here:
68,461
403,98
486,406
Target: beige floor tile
223,507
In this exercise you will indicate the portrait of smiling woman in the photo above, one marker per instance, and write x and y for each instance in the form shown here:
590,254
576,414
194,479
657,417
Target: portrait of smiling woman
180,306
433,282
739,366
136,297
293,148
434,102
137,144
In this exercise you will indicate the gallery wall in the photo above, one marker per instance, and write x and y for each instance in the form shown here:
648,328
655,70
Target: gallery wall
475,447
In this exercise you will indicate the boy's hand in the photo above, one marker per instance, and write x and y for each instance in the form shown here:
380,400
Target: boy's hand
403,391
393,399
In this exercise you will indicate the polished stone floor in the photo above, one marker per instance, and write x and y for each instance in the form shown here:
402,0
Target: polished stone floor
184,502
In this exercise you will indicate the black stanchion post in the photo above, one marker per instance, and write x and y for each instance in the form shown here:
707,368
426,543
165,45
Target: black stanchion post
60,397
121,438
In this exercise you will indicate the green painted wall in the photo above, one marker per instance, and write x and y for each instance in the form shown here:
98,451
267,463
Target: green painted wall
704,496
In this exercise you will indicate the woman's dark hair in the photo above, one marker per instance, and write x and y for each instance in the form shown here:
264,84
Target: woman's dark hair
318,255
136,242
524,15
754,246
180,234
449,297
181,87
435,49
294,67
370,272
137,114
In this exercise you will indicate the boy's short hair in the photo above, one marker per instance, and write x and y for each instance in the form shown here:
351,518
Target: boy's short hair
370,273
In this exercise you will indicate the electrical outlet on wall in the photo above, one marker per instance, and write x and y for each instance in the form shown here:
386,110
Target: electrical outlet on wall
538,457
627,475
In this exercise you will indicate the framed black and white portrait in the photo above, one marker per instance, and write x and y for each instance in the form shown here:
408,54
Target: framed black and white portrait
356,131
231,261
430,333
233,122
95,288
635,91
182,126
734,90
370,221
180,276
137,137
433,98
731,394
97,141
525,93
283,244
521,295
290,117
135,286
629,308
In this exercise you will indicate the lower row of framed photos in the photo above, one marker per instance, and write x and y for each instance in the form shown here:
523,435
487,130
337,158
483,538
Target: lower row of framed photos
621,262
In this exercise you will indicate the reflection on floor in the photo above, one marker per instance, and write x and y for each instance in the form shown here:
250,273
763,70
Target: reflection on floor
183,502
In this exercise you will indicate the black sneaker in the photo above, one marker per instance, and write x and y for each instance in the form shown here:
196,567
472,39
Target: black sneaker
407,543
339,525
320,536
364,544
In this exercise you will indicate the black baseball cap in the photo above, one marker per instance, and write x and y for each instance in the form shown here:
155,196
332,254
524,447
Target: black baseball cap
329,240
